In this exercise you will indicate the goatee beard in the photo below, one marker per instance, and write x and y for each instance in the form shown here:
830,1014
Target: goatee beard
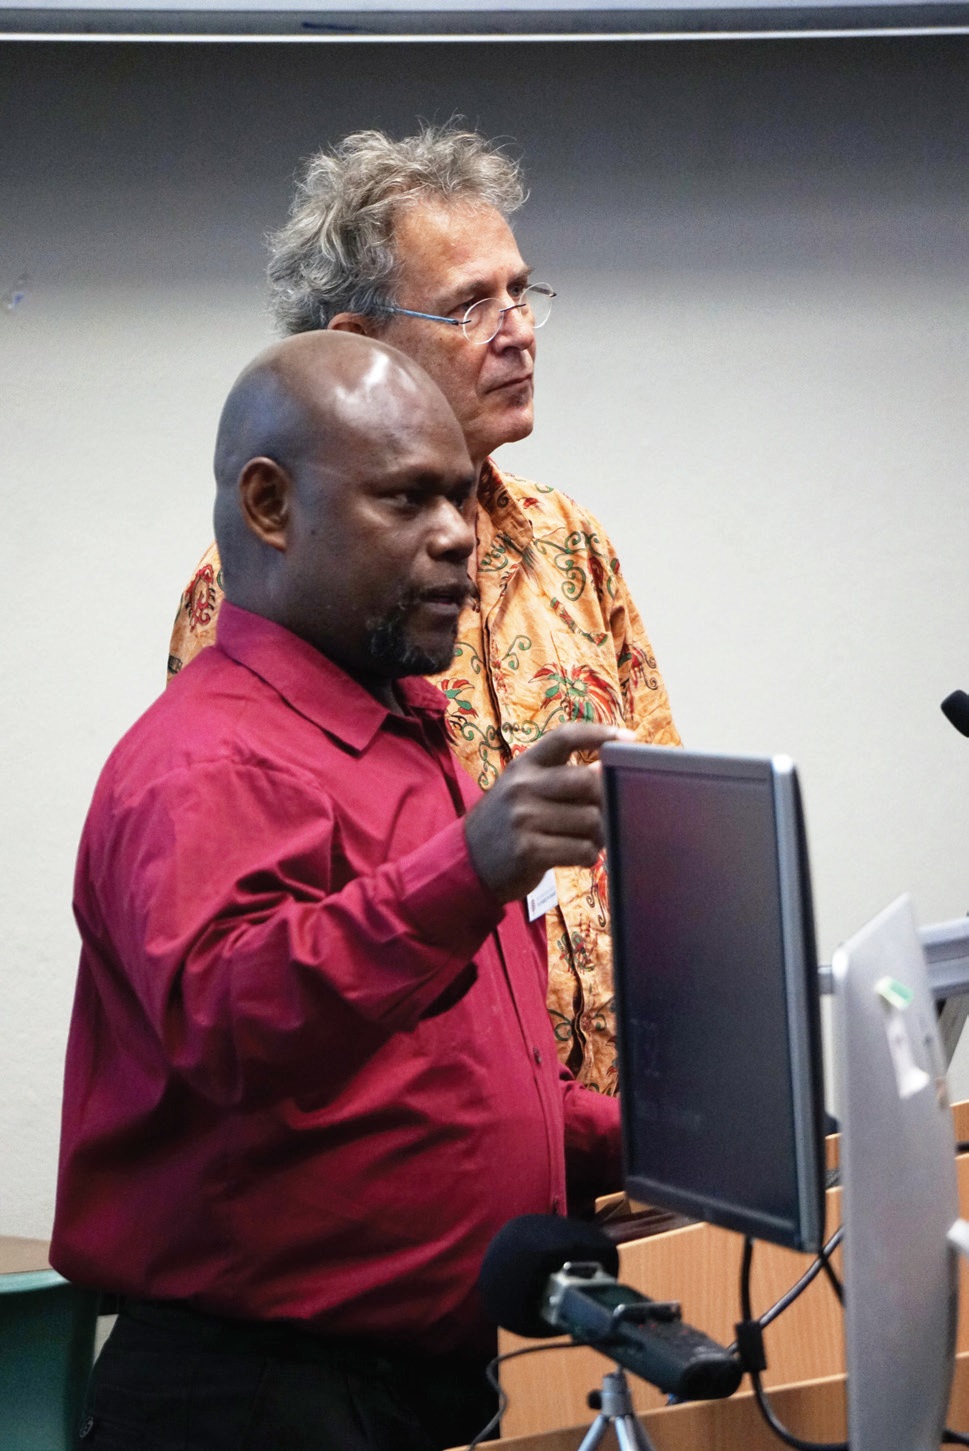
393,654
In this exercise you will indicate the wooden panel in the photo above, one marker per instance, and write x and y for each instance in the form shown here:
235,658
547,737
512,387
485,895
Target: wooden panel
962,1335
699,1265
960,1121
814,1410
17,1255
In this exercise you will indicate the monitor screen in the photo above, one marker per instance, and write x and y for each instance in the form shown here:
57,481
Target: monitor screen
717,992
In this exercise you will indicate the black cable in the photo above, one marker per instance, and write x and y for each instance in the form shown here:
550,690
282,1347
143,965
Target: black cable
830,1270
949,1437
491,1371
781,1431
760,1396
822,1262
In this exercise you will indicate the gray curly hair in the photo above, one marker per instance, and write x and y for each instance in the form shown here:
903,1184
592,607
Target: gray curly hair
336,253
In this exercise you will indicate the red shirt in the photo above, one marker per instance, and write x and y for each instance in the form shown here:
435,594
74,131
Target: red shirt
310,1070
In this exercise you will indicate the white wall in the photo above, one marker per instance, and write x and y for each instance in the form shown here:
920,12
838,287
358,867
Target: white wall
756,375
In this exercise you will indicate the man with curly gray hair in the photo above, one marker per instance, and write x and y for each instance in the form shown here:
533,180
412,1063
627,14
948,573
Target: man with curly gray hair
408,241
337,252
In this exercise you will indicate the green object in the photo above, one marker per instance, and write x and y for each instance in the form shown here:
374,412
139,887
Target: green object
46,1350
895,993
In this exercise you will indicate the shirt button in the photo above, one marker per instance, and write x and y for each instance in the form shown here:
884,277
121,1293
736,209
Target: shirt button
556,1204
537,1055
86,1428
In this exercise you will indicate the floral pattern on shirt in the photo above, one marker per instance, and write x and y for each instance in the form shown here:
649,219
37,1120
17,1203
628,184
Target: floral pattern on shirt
554,636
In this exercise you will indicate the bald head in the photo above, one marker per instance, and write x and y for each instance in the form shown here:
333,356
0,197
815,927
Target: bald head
300,401
333,448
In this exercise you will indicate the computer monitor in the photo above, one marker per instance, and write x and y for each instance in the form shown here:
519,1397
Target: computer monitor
717,993
900,1197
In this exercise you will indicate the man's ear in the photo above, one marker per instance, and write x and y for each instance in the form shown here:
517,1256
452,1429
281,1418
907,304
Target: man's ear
351,322
265,498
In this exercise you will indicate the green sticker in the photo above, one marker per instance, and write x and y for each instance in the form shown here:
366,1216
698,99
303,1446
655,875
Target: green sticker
895,993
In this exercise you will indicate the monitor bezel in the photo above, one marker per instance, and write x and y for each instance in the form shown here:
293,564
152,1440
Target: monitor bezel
804,1228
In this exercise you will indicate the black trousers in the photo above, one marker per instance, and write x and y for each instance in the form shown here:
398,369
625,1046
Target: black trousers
171,1379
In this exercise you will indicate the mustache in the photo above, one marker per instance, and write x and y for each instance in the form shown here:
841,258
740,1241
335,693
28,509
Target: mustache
460,592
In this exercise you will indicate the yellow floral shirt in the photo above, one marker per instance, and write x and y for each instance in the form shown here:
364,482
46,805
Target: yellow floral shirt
553,637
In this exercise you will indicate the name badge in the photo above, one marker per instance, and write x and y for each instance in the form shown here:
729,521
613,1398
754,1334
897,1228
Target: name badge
544,897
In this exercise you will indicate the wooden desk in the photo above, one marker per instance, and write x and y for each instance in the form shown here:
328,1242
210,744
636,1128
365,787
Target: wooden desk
699,1265
18,1255
814,1410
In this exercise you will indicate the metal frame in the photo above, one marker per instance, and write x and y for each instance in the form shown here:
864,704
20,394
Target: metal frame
946,948
482,20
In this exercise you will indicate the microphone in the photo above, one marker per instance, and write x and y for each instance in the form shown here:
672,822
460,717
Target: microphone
955,708
542,1275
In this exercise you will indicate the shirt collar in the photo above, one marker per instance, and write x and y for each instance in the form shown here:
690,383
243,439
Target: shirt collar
310,682
504,511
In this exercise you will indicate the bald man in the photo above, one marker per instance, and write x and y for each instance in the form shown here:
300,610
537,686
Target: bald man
310,1070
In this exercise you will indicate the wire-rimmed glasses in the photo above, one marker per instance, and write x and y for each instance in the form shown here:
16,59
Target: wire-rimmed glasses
483,320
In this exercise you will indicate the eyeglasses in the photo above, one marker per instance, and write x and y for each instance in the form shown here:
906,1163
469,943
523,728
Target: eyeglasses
483,320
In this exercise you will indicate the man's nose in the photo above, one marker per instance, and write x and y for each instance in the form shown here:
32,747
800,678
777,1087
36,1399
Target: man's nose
517,329
452,534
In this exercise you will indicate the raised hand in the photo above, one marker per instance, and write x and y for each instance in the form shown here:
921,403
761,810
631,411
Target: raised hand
542,812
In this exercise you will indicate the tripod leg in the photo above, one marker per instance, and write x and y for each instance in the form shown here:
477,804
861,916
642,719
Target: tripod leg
595,1433
630,1434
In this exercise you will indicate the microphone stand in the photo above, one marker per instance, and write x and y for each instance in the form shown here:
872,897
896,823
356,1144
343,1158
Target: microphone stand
615,1408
